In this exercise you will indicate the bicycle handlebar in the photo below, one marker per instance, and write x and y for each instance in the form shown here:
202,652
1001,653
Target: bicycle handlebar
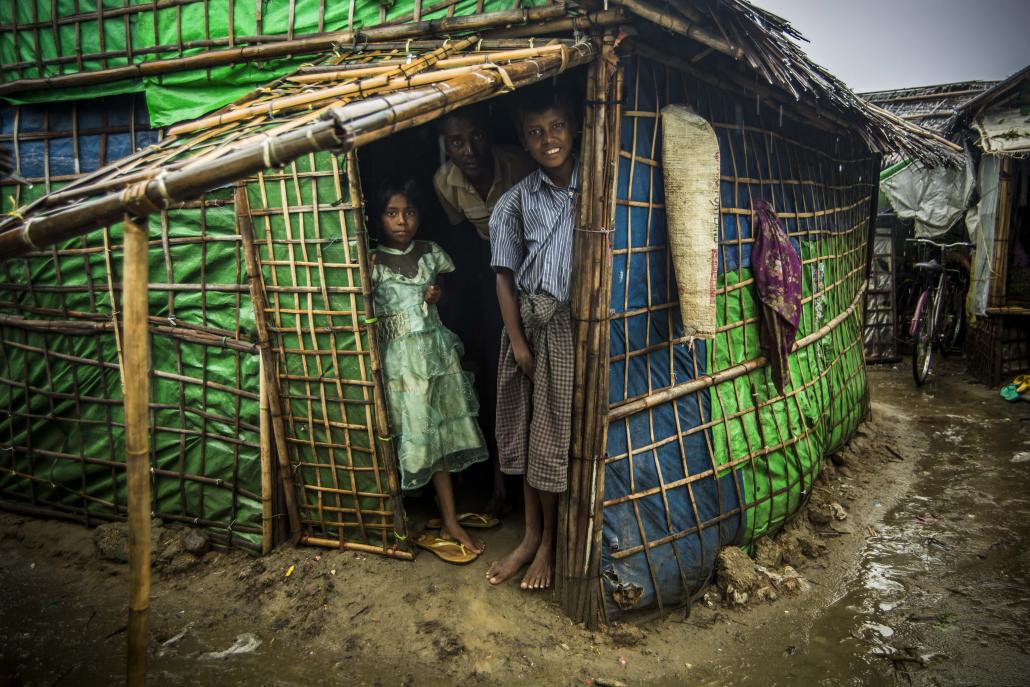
940,245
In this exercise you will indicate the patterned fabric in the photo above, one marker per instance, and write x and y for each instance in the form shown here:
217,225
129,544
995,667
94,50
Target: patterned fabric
432,406
534,417
777,270
459,198
531,234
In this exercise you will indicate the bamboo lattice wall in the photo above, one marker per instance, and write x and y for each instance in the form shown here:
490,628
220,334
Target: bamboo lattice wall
693,465
61,419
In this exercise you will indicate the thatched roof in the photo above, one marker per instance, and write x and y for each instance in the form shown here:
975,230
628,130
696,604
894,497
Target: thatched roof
368,83
933,107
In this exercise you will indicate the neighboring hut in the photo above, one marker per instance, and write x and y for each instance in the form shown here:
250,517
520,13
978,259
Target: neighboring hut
935,108
991,120
267,399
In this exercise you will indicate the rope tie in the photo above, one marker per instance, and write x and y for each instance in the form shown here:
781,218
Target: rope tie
564,58
385,439
135,196
509,85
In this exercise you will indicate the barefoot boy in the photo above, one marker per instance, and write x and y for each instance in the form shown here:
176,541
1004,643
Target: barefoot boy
468,186
531,241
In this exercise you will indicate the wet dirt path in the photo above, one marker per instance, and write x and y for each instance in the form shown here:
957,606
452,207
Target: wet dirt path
924,583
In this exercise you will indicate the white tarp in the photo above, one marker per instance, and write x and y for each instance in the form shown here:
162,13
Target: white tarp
980,221
1004,131
935,198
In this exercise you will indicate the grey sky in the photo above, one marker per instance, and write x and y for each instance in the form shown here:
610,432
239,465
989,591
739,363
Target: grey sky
879,44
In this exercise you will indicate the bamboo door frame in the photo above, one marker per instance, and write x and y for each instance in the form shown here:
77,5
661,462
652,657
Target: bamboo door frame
577,574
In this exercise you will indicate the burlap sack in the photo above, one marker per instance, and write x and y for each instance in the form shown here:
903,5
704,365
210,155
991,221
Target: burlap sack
690,164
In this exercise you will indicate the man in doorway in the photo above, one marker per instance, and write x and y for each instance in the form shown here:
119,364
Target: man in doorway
477,172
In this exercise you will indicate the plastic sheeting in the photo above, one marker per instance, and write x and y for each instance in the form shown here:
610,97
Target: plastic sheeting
935,198
729,463
179,96
1004,131
980,222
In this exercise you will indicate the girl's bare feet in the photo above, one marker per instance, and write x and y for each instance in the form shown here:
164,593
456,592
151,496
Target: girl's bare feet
457,533
540,570
524,553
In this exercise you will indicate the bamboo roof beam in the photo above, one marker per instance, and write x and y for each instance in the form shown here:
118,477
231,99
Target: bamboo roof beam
684,27
313,44
403,73
339,129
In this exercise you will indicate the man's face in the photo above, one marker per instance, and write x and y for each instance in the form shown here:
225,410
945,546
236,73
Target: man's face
468,146
547,136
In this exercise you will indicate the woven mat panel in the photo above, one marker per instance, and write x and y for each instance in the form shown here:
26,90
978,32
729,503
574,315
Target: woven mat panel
730,461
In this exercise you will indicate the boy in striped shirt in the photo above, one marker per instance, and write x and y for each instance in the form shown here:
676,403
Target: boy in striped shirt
531,230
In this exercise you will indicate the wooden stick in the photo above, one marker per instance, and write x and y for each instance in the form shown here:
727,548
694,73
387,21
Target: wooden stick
389,552
312,44
136,378
264,432
999,252
269,369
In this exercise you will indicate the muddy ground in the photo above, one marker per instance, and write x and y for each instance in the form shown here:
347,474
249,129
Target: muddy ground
910,567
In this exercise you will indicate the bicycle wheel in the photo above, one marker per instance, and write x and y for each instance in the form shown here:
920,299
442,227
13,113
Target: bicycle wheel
922,336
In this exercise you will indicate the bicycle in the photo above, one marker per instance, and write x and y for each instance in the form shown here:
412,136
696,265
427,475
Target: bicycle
940,311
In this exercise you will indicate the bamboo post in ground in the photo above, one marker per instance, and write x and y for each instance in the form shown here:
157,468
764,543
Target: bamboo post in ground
269,375
265,434
578,558
136,380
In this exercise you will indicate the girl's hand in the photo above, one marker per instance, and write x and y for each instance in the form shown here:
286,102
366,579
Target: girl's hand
524,359
433,293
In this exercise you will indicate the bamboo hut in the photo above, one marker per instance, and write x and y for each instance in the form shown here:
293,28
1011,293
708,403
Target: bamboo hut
989,118
267,414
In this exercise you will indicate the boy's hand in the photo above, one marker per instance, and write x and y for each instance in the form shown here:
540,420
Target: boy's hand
433,293
524,359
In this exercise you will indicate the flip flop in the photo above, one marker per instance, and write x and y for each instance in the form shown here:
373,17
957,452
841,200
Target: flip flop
471,520
446,549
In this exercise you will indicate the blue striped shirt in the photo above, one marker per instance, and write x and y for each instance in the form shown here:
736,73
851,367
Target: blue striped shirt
531,234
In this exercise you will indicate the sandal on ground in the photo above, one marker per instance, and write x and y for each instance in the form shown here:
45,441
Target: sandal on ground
473,520
446,549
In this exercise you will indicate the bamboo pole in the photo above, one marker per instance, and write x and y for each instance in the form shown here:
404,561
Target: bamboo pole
402,73
264,432
387,66
382,416
136,380
682,26
311,44
593,20
1003,224
578,559
340,129
679,390
269,374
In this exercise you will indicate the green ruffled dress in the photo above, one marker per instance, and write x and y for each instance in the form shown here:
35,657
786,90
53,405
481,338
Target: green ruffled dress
432,404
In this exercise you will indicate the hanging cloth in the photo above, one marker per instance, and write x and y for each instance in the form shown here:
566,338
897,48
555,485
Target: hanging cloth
777,271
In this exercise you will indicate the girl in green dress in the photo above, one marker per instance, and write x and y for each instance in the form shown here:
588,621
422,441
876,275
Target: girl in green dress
432,405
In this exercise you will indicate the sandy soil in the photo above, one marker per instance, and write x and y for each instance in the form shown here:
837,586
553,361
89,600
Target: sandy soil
870,610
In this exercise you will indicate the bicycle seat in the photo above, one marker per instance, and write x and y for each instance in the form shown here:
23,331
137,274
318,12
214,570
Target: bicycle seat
931,266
